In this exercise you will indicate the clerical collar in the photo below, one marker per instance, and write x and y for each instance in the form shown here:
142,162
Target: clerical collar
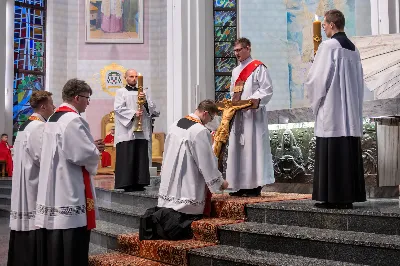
246,61
130,88
40,117
337,34
70,106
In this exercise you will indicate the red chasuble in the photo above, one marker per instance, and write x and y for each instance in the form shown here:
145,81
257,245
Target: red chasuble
105,156
90,211
5,155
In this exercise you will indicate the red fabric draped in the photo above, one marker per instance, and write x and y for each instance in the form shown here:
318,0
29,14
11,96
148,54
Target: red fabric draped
5,154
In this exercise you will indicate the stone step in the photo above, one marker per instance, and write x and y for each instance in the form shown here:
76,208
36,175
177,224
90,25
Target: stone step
347,246
5,199
96,249
5,181
5,189
120,214
141,199
105,234
234,256
374,216
5,210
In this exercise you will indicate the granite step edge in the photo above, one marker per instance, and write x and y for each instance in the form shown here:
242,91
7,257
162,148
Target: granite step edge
148,193
308,206
112,230
317,234
121,208
97,249
256,257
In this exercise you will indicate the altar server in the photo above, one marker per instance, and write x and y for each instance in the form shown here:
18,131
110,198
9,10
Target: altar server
189,167
26,243
66,202
335,89
132,147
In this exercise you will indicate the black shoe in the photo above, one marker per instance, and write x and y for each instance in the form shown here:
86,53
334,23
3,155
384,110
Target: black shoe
238,193
344,206
135,188
324,205
255,192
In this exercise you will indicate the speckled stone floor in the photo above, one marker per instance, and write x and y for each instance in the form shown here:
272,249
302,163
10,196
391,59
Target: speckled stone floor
4,237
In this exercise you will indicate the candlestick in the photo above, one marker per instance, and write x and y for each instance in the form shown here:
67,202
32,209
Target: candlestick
317,37
140,80
140,102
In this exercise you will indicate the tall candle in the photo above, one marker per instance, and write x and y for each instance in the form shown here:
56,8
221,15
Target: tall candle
140,80
317,37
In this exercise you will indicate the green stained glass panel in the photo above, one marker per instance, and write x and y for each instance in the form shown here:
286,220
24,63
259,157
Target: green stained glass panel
225,34
225,18
222,83
224,3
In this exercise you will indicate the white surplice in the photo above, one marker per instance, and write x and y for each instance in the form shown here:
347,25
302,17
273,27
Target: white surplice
26,175
249,162
189,164
67,146
335,89
125,107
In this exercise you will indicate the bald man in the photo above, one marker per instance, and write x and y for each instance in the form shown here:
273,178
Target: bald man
132,162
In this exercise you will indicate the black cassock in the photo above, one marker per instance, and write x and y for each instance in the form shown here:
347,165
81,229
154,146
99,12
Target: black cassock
339,171
132,164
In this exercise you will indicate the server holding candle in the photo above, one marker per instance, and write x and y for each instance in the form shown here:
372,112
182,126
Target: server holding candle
335,89
133,110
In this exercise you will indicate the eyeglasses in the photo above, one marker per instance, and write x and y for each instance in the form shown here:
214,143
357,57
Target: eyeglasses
88,98
211,116
238,50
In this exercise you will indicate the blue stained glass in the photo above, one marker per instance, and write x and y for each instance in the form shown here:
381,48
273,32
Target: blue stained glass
225,64
224,49
224,3
222,83
225,18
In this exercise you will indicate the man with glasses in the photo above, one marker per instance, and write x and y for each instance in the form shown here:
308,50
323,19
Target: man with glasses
132,147
66,206
189,166
249,163
335,89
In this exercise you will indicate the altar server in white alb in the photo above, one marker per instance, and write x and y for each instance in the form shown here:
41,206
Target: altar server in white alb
26,242
132,147
335,89
249,163
189,166
66,206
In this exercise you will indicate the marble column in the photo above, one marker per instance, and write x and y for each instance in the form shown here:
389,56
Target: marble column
189,56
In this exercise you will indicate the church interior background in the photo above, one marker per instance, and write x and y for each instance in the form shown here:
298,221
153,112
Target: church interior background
184,51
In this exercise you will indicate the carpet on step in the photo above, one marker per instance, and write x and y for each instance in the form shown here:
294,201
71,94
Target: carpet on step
207,229
120,259
170,252
225,206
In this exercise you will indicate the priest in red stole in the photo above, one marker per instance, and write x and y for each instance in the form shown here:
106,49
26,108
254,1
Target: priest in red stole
105,156
5,154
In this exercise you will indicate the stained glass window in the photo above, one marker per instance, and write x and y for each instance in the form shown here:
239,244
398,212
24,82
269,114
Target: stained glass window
225,33
29,56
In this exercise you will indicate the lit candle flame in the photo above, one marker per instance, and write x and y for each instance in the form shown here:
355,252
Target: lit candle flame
316,18
139,74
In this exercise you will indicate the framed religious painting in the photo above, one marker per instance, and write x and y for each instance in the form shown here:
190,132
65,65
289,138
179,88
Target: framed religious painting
114,21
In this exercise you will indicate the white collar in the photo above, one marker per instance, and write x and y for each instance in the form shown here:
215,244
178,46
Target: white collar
195,116
70,106
39,116
246,61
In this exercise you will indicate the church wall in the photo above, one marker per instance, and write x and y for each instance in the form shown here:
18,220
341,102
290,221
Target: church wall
72,57
281,36
2,65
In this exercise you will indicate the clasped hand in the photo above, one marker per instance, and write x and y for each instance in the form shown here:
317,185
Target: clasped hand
100,145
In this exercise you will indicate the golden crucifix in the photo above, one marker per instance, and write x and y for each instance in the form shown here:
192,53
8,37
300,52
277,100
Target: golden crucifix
228,109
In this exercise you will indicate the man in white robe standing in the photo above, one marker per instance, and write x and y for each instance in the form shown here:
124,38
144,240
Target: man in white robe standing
335,88
189,165
25,247
132,147
249,163
66,201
